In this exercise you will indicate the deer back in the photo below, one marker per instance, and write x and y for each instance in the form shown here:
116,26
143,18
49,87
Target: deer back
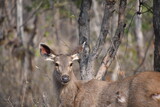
141,90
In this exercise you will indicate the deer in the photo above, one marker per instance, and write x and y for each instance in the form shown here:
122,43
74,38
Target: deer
140,90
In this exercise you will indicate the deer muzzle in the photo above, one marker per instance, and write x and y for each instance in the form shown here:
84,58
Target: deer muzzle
65,79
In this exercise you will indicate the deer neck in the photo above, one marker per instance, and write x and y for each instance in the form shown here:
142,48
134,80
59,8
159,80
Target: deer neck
66,93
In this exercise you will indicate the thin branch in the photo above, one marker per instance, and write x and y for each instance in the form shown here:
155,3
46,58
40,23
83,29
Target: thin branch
34,12
108,12
146,51
150,9
34,31
45,100
9,101
116,41
146,11
64,43
127,31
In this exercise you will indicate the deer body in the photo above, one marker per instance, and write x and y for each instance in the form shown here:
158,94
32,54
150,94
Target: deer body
141,90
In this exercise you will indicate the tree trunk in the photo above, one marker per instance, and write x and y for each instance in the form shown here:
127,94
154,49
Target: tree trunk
156,25
84,36
88,58
20,29
116,41
96,20
26,39
1,22
138,32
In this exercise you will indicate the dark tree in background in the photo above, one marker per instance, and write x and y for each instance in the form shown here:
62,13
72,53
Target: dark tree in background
156,25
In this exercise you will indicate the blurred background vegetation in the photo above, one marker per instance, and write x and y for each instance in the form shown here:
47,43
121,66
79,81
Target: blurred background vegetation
54,22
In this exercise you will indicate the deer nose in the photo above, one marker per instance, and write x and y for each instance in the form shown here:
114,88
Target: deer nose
65,78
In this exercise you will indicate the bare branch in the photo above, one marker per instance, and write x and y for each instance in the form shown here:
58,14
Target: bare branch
34,31
87,61
109,9
116,41
32,14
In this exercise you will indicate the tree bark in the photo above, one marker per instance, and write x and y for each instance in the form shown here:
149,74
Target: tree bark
84,36
156,25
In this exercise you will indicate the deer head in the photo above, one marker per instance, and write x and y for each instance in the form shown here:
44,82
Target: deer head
63,63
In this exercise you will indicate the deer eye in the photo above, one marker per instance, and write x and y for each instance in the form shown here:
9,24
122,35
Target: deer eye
56,64
71,64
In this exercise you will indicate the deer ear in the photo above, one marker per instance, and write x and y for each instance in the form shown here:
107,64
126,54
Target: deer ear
77,51
46,52
75,57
